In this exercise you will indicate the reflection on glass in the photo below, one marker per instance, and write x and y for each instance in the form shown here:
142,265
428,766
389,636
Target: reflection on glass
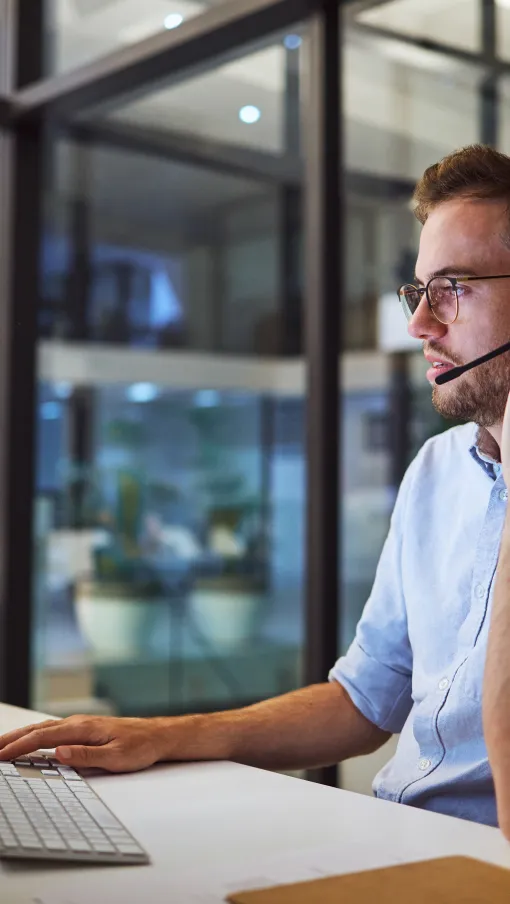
170,487
173,548
241,103
187,258
454,22
367,499
405,109
503,110
81,31
503,30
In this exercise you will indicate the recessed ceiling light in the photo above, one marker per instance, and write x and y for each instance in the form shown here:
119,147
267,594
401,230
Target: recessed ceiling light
249,114
142,392
292,42
173,21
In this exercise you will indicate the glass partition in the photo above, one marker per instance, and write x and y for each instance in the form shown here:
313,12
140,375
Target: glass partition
78,32
171,419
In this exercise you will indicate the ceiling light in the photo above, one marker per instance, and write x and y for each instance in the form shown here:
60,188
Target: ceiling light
249,114
173,21
292,42
142,392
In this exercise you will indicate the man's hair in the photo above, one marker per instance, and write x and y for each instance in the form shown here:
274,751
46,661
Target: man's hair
476,171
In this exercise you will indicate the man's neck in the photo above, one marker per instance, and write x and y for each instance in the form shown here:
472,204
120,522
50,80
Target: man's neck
489,441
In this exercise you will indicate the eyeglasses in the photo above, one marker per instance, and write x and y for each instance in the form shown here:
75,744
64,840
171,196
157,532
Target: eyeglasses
442,293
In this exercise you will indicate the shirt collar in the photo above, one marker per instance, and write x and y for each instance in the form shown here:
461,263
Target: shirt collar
485,452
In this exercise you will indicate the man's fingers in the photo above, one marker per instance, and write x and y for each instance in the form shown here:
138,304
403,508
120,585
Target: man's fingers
55,734
11,736
80,756
117,745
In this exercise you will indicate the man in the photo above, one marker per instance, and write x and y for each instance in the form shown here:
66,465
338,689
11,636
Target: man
430,660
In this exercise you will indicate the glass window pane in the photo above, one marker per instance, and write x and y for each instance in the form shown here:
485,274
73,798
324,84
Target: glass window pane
171,467
404,109
241,103
504,116
175,262
503,29
80,31
455,22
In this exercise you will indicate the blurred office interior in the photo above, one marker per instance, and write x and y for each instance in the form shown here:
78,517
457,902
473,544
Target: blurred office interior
163,456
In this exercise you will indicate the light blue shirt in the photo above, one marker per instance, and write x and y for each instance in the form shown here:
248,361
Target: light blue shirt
416,664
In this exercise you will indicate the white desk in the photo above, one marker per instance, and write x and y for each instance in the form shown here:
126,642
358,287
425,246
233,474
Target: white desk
212,828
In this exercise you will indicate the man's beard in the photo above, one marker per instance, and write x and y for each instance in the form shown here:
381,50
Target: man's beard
479,396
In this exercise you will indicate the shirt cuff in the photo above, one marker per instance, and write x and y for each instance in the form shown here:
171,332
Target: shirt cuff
381,694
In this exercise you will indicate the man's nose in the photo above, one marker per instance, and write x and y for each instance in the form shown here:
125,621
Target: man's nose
423,324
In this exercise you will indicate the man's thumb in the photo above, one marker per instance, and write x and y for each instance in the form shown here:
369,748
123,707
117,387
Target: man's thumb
79,755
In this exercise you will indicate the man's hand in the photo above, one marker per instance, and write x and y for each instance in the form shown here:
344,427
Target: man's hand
117,745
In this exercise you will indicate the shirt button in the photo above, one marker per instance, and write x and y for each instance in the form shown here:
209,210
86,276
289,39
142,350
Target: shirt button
503,495
424,764
479,591
443,684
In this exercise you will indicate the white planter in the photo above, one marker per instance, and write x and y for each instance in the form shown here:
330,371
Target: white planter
119,626
227,617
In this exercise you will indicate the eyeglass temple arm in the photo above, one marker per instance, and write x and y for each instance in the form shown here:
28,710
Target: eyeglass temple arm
475,278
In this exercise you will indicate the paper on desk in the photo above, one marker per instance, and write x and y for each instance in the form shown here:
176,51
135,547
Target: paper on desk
301,866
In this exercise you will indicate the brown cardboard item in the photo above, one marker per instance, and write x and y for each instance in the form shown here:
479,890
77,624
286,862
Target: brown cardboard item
450,880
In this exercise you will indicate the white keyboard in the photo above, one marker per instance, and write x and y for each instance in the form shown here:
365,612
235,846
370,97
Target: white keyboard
49,812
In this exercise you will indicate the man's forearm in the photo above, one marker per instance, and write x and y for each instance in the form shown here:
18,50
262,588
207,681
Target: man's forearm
496,687
315,726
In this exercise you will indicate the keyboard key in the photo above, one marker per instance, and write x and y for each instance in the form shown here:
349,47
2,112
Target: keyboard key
129,849
101,814
117,835
67,772
78,844
55,844
102,847
29,841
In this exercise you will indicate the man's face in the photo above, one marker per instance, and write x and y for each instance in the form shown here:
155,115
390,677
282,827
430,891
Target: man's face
466,236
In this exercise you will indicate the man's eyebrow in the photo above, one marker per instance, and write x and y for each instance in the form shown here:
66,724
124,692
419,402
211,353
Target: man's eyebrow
448,271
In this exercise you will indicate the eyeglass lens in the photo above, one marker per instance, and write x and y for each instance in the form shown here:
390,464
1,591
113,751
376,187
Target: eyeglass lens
442,297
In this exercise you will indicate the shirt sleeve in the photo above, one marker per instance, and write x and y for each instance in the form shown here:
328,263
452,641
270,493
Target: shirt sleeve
376,671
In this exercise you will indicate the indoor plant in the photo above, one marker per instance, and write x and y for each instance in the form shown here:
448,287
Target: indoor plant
121,604
229,596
